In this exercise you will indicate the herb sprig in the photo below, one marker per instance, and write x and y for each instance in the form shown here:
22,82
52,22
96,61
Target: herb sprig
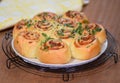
29,23
46,38
60,32
79,30
68,25
97,29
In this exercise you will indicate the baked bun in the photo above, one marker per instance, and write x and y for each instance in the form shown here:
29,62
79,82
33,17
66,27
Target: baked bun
45,16
19,27
76,16
85,47
26,43
98,31
54,51
23,25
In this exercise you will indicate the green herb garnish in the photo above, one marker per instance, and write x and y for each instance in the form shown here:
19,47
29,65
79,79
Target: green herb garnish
45,35
68,25
45,40
45,48
29,23
79,30
87,28
60,32
43,21
97,29
93,32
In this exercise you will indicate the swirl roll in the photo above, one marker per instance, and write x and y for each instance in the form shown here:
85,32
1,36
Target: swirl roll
76,16
26,43
98,31
85,47
23,25
54,51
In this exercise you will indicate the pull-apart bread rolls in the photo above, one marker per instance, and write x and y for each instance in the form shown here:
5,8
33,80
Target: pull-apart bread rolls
85,47
56,39
54,51
26,43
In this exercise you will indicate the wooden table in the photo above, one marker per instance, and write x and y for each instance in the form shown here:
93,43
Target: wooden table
105,12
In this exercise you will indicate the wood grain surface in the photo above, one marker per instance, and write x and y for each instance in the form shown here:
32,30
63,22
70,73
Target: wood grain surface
105,12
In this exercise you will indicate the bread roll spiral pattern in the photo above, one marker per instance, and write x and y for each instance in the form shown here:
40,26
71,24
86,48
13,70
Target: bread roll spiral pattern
85,47
55,52
26,43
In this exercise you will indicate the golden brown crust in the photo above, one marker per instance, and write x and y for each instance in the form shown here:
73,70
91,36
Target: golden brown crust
26,43
99,31
86,50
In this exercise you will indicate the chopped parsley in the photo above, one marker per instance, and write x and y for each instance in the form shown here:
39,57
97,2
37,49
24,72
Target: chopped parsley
97,29
29,23
43,21
47,38
60,32
45,35
68,25
79,30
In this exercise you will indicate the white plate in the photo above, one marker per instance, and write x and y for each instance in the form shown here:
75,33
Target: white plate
72,63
